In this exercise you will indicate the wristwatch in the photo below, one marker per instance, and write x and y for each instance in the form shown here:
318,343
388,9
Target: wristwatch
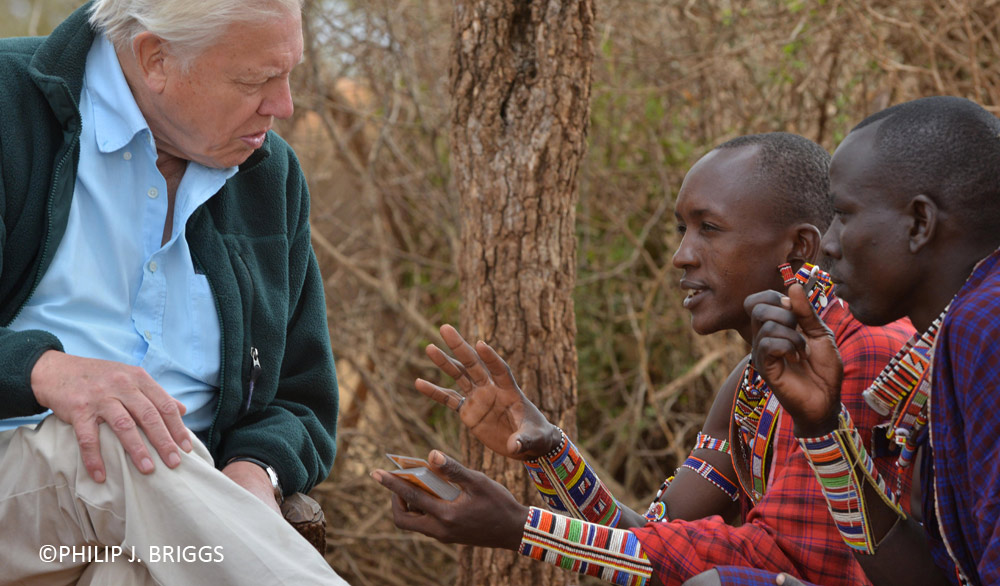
271,474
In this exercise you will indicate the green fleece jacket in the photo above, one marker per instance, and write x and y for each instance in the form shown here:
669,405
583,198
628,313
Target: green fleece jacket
251,239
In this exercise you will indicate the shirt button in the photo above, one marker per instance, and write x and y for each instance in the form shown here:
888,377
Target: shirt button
127,156
153,266
148,335
153,193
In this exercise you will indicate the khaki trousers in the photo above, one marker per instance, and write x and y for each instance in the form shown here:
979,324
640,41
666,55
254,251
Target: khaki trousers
186,526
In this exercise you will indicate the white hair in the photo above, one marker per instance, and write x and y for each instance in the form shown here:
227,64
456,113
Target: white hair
190,26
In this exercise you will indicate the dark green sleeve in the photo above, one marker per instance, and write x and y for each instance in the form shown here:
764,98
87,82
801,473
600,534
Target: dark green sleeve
296,433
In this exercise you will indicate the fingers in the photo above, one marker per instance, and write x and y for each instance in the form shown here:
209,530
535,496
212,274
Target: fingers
496,366
449,468
466,354
156,413
786,344
769,297
124,426
412,508
765,305
90,448
804,312
449,366
447,397
124,417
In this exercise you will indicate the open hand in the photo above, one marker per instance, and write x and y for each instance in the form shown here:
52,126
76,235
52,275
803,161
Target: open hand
490,403
484,514
797,355
85,392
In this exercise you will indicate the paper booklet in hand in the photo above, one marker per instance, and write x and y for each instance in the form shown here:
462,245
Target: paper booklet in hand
418,472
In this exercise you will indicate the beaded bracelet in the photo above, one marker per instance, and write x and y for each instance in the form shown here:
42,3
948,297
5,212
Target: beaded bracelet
614,555
569,485
707,442
841,465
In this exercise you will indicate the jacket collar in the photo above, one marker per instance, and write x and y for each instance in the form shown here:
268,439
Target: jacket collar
58,64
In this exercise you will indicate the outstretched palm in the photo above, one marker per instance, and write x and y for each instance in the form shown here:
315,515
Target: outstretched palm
489,402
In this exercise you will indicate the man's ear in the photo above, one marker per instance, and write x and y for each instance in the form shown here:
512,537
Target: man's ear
805,243
923,216
150,52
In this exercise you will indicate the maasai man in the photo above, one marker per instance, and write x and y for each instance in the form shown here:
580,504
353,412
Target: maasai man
747,207
917,193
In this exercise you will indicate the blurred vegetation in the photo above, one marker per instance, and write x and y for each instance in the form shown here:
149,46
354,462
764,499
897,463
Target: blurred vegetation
672,79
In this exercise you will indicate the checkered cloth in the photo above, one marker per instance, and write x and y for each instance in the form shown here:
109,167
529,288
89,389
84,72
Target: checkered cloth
965,431
733,576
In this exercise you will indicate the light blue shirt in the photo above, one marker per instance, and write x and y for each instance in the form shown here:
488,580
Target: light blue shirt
112,291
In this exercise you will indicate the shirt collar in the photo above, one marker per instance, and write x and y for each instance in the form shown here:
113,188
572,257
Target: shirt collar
117,118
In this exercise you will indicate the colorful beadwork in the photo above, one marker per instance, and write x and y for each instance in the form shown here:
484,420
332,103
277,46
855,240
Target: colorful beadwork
707,442
613,555
842,466
787,273
709,473
657,510
568,485
903,372
903,388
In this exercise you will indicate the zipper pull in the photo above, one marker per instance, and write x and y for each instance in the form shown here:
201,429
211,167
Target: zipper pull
254,373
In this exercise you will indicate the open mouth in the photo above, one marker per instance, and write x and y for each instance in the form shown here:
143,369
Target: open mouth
695,292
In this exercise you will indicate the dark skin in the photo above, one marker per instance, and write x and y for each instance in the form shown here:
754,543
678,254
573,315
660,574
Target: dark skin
897,254
731,247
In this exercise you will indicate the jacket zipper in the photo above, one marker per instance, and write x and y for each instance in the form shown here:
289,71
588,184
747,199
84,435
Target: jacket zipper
48,224
254,373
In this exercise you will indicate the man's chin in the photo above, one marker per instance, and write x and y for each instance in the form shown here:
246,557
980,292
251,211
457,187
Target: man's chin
867,317
703,327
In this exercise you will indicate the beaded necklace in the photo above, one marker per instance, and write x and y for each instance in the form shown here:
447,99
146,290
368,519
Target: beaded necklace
755,407
903,388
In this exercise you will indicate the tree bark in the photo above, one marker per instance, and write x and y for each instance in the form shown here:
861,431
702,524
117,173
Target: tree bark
521,78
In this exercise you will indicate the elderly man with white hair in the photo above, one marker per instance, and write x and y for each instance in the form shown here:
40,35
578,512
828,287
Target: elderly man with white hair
165,364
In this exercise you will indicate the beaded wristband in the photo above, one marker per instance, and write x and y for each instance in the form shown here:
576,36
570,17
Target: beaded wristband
568,485
708,442
614,555
841,465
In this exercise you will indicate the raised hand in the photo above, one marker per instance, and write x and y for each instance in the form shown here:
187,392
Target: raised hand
84,392
484,513
490,403
797,355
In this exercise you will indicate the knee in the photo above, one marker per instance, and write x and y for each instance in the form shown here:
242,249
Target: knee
709,578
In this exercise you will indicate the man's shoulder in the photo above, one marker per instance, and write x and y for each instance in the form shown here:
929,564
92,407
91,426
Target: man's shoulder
979,297
15,57
19,49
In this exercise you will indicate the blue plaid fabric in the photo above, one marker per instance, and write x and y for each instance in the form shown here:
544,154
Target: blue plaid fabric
965,431
734,576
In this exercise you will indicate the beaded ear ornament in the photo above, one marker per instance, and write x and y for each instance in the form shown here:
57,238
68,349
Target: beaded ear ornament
809,276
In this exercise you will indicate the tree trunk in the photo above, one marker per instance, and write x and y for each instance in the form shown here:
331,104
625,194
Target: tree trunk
520,77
